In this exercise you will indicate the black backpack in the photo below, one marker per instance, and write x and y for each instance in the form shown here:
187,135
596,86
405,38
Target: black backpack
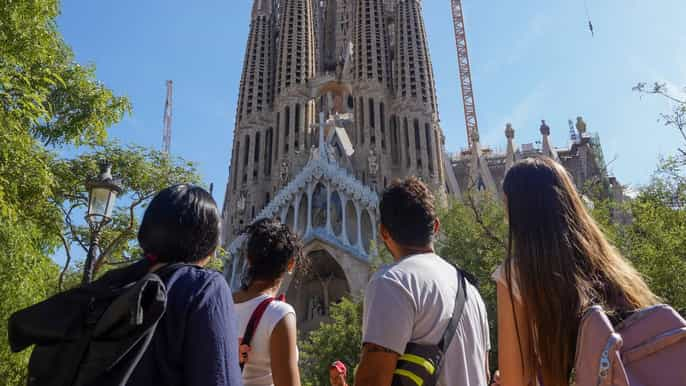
94,334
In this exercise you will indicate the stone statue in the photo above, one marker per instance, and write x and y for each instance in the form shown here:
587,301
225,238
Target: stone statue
240,204
373,163
284,173
545,129
580,125
331,153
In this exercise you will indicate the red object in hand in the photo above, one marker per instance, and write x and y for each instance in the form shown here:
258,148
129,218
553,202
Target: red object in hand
337,374
339,367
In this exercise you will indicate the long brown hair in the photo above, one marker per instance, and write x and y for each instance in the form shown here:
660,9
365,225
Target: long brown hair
562,264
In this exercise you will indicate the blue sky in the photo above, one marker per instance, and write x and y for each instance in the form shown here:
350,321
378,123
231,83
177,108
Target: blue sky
531,60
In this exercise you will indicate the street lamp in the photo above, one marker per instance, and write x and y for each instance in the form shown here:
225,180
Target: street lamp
102,193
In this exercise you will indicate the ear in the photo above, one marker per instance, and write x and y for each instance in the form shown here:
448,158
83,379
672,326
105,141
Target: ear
291,265
384,232
437,226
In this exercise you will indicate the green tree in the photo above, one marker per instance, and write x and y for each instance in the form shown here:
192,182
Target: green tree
655,237
676,118
338,340
46,99
140,172
474,237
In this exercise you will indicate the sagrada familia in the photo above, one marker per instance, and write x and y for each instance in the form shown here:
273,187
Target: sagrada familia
337,99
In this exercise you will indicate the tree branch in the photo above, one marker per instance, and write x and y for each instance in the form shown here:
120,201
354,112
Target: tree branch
122,235
67,248
478,216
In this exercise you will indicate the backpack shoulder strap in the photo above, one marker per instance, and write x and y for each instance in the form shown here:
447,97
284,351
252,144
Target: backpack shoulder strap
255,320
458,310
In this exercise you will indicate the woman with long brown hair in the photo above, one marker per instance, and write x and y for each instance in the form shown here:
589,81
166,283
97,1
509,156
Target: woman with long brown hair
559,264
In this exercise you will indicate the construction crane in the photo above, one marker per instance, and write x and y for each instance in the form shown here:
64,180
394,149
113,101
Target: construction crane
465,73
167,120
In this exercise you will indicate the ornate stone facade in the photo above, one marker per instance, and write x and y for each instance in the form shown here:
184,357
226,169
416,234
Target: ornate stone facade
337,98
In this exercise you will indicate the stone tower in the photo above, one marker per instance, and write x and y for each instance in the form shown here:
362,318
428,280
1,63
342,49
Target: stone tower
364,62
337,98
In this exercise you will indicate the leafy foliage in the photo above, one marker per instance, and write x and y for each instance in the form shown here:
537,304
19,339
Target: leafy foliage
42,88
677,118
338,340
45,99
655,237
141,173
473,237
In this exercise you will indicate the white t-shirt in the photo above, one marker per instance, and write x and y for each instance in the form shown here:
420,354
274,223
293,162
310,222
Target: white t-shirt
412,301
258,370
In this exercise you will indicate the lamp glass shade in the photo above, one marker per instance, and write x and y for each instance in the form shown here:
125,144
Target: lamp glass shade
101,203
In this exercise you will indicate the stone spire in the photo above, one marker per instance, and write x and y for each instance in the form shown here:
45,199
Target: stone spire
295,67
372,61
547,148
413,70
296,56
252,159
480,175
257,85
415,93
510,157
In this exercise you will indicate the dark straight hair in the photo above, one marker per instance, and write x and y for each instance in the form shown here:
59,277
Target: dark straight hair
562,264
181,224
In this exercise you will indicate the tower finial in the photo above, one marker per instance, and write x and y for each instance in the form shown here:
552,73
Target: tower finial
510,157
547,147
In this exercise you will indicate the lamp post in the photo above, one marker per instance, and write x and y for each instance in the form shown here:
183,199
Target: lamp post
102,193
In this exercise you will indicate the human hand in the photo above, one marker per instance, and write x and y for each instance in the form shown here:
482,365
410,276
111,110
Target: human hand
243,352
496,379
337,374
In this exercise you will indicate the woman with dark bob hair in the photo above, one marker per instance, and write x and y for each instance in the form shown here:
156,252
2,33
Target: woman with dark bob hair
195,342
559,264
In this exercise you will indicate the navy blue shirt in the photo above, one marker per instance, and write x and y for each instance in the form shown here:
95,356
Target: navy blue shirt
196,341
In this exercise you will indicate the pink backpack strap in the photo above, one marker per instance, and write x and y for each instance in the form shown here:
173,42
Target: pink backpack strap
598,360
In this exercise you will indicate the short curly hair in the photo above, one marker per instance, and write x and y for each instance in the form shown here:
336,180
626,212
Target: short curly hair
271,246
408,212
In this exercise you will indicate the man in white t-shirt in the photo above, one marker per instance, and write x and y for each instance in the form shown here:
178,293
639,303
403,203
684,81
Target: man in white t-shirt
412,300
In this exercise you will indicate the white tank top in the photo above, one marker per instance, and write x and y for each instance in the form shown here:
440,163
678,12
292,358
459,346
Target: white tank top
258,370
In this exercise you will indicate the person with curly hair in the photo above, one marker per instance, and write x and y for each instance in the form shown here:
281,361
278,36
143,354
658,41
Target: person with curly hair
271,357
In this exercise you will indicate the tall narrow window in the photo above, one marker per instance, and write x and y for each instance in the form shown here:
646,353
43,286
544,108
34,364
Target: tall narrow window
296,130
246,157
286,128
417,143
395,148
268,140
407,143
276,133
429,147
256,156
361,128
371,113
382,117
